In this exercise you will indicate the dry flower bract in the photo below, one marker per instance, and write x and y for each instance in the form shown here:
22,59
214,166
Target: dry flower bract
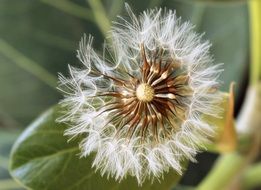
139,104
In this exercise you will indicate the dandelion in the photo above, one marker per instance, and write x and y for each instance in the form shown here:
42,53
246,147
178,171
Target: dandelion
139,105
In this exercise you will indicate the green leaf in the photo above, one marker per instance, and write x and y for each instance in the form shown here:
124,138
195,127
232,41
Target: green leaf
43,159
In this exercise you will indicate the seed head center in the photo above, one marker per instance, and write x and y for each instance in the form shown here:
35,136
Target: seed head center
145,92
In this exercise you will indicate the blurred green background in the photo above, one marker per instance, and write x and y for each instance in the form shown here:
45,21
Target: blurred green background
39,38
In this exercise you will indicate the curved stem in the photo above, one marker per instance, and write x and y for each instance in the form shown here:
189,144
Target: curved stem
252,177
231,165
224,170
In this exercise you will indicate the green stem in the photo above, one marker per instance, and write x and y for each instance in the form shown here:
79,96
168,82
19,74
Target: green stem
255,15
100,16
27,64
232,165
226,167
252,177
70,8
8,184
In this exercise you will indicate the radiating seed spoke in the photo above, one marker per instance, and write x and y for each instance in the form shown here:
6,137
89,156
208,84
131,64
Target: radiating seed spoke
151,102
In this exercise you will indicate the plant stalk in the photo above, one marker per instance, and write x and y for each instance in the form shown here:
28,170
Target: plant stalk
252,177
230,166
226,167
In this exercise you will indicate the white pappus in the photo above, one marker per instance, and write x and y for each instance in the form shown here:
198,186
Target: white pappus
139,104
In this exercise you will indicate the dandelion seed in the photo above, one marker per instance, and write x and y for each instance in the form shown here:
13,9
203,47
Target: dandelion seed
139,105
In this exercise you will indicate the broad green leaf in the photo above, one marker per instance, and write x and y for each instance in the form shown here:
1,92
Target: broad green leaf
43,159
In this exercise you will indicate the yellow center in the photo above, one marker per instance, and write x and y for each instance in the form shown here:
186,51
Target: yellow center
145,92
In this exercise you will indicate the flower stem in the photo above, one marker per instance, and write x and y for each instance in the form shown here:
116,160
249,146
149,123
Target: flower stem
226,167
252,177
27,64
255,16
231,165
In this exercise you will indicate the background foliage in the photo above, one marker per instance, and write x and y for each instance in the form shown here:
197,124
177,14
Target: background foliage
38,38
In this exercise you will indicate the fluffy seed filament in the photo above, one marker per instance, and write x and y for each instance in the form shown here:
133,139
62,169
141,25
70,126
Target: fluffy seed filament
139,104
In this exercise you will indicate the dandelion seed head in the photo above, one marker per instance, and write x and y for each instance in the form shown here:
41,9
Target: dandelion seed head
140,103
